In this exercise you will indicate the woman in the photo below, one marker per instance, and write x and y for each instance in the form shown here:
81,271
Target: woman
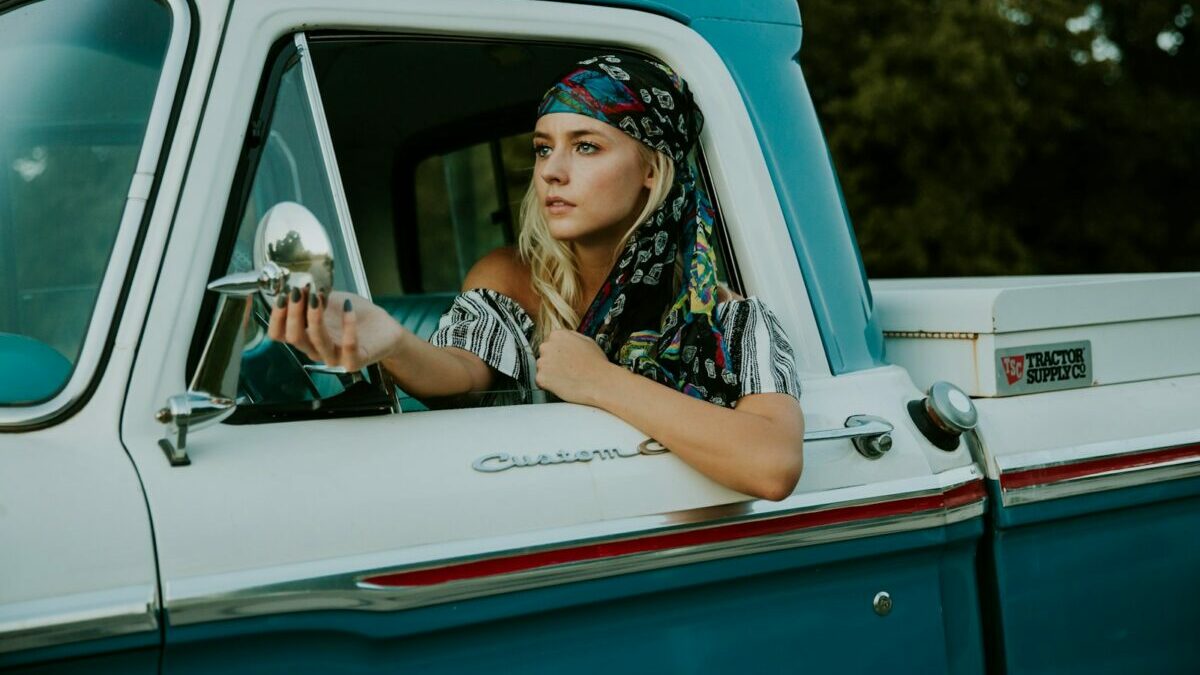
613,286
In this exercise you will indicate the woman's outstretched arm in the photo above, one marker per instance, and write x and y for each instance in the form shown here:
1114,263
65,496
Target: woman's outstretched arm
754,449
360,333
347,330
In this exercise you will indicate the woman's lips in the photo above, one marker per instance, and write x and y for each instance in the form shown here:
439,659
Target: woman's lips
556,206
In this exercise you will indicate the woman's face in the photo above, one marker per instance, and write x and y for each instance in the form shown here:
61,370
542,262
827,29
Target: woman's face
590,179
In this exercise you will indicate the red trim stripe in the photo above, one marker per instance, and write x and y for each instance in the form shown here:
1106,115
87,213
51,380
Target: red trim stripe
967,493
958,496
1055,474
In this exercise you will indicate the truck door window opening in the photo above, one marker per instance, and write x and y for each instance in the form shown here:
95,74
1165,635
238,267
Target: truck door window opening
431,186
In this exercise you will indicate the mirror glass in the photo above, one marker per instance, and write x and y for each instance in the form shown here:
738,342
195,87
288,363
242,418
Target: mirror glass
290,236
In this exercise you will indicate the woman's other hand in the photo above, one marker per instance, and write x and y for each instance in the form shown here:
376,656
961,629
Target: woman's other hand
571,366
341,329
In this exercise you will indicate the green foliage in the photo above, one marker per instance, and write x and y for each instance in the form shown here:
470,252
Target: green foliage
1018,137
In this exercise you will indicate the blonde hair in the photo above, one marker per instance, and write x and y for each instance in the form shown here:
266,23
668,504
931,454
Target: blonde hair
554,270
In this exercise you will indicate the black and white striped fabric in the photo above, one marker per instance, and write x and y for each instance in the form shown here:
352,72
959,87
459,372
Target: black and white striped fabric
498,330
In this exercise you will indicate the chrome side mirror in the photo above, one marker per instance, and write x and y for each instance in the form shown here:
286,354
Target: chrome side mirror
292,244
290,248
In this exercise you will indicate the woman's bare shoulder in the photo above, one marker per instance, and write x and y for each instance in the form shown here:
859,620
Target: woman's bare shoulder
503,271
727,294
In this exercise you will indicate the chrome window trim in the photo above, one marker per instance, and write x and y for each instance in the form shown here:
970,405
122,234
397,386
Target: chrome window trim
95,343
321,124
76,618
339,584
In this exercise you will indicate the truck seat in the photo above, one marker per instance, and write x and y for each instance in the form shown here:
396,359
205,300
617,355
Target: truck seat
33,370
419,313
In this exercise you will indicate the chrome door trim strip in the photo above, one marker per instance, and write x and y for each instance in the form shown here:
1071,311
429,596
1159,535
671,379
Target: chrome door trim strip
108,297
1061,455
76,618
958,514
1055,480
708,536
691,536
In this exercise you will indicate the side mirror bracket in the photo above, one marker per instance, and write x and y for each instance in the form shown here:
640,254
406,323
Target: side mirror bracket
212,395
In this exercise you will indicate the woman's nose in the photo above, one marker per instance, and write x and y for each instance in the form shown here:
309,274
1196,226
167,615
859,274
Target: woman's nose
554,168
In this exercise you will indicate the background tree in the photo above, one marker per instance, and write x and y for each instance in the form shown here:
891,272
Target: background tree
1012,137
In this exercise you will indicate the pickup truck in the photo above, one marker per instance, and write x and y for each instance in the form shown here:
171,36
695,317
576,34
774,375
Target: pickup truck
1000,475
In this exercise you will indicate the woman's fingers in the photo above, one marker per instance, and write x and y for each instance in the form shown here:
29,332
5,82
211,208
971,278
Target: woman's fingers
299,319
316,332
294,328
350,360
275,328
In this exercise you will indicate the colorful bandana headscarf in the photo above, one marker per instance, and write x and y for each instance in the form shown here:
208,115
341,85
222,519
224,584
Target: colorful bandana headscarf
681,347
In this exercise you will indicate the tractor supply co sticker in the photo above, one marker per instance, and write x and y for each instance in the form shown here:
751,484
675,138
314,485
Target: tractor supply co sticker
1034,368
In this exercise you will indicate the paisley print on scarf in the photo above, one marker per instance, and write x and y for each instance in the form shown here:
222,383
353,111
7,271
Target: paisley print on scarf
638,318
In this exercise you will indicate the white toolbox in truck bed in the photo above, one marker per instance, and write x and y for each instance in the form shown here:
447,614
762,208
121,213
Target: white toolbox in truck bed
999,336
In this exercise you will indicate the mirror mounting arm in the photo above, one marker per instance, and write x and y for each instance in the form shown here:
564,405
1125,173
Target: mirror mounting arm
271,279
212,395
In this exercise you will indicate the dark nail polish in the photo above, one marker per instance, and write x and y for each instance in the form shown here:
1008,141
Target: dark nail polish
346,306
295,294
281,301
312,300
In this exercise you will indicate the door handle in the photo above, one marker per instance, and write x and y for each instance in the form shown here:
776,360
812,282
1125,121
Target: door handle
871,435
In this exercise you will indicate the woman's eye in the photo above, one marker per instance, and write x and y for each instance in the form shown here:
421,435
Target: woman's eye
586,148
541,151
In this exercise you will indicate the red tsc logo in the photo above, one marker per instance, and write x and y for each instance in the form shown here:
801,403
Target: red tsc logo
1014,367
1032,368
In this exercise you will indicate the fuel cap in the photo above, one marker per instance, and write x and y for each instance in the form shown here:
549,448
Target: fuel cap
950,408
944,414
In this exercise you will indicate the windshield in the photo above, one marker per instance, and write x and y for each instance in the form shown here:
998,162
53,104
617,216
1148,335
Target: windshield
77,82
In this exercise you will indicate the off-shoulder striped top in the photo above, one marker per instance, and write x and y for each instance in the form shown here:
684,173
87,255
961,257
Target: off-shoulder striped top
496,328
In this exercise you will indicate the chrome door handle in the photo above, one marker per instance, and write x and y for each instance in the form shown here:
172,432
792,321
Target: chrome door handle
871,435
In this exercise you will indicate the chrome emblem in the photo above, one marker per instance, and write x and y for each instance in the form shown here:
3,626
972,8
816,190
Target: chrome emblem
502,461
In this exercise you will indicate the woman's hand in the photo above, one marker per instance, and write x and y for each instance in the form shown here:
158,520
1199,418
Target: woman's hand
341,329
572,366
